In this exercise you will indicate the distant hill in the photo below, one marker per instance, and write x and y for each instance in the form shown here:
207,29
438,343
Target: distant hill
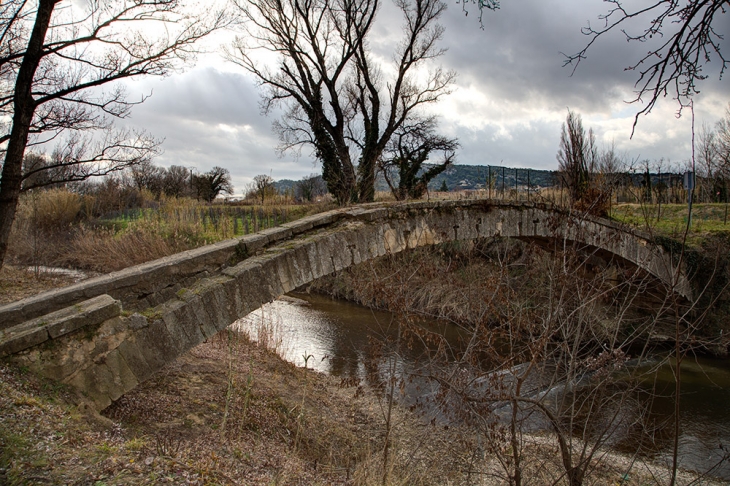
283,185
468,177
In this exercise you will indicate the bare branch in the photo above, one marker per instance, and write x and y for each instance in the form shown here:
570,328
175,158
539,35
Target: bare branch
691,35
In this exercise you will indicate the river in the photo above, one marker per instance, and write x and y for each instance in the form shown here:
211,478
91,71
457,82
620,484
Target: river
339,338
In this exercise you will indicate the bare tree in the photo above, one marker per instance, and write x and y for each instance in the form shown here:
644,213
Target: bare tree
337,99
310,187
611,170
262,187
722,148
146,175
404,157
706,162
577,157
55,60
177,181
723,140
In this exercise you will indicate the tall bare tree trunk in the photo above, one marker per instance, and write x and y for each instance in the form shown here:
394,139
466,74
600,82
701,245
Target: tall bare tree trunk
23,110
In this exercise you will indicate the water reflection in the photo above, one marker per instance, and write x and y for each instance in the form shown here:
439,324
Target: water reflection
704,413
347,341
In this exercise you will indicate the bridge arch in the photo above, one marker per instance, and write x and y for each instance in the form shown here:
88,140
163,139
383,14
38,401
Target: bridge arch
123,327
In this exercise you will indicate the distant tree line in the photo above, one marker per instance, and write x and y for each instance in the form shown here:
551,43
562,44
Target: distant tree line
592,175
309,189
127,187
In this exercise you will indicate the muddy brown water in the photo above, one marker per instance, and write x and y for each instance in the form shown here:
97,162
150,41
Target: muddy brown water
346,340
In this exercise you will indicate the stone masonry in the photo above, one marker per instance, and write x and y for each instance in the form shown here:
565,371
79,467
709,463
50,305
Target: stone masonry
106,335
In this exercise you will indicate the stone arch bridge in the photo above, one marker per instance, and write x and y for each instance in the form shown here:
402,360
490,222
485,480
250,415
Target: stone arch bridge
107,334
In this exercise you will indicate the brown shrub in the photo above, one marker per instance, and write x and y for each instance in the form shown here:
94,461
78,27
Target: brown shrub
42,226
105,251
594,202
53,209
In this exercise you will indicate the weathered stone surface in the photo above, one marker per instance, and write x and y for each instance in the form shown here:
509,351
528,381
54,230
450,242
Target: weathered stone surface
215,304
194,294
89,312
253,243
95,383
157,345
21,337
56,324
123,379
181,325
135,360
276,234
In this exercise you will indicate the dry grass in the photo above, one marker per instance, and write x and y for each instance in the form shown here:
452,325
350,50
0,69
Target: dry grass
19,283
105,251
229,413
54,228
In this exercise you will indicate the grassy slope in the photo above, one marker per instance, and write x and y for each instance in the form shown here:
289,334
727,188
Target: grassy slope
671,219
228,412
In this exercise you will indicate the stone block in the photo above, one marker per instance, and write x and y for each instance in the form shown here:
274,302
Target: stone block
302,268
123,379
135,360
252,286
157,345
31,333
137,321
324,254
214,307
93,382
369,215
225,310
21,337
234,297
197,310
271,278
11,315
89,312
276,234
299,226
283,270
315,262
181,324
253,243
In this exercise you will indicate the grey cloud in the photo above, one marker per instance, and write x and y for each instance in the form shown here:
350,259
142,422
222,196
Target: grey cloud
209,117
512,94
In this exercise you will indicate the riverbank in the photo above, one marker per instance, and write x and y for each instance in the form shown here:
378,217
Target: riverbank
230,412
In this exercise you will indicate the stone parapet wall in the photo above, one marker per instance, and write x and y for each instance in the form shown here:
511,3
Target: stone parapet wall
148,284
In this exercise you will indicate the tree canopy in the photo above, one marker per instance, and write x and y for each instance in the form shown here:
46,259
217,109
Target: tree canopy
338,98
58,64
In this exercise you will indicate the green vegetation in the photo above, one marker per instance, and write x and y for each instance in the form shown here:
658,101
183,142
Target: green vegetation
670,220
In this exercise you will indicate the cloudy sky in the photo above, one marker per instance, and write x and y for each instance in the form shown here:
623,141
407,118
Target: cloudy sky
507,105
